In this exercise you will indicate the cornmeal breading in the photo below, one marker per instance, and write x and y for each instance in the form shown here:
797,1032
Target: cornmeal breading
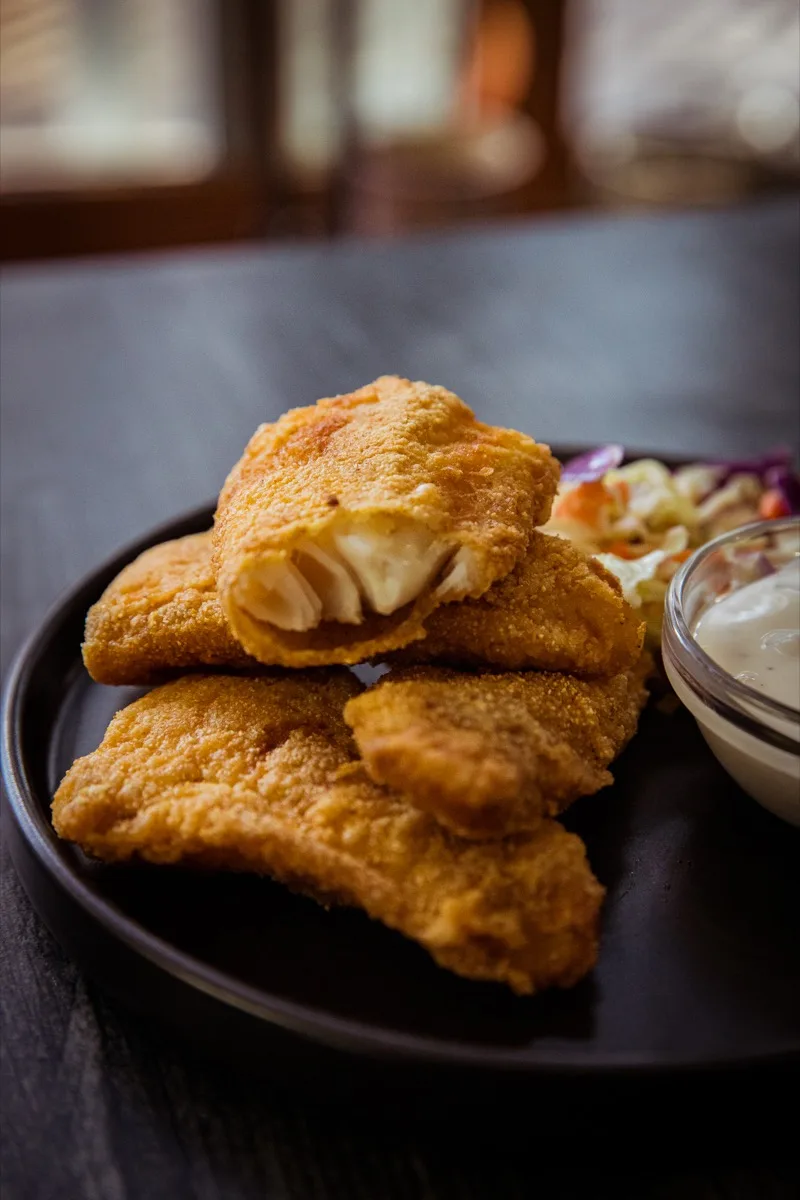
344,524
494,754
259,774
558,610
161,614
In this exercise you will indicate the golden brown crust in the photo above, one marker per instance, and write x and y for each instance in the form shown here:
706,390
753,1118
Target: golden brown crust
494,754
394,448
161,614
259,774
558,610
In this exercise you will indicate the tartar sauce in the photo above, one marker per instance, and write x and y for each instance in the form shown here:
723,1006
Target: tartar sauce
754,634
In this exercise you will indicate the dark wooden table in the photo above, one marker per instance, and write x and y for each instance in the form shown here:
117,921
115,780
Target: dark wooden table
128,389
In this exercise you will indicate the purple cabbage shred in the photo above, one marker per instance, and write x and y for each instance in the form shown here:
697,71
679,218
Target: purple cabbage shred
592,465
780,459
783,479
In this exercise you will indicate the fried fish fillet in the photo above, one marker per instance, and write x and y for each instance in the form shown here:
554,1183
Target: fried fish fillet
161,614
344,524
492,754
259,774
558,610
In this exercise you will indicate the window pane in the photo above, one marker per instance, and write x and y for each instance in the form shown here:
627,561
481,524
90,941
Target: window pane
107,91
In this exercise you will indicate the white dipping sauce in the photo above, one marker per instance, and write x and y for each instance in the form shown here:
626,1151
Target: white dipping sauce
754,634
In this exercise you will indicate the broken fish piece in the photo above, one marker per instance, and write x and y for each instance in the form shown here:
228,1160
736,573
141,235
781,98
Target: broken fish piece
558,610
344,524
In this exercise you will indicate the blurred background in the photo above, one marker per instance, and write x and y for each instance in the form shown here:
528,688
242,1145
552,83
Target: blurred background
133,124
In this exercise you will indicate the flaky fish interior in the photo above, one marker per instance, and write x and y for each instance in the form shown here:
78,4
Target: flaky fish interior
356,566
345,524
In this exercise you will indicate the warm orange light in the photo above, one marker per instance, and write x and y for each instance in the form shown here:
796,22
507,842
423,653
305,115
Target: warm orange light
501,64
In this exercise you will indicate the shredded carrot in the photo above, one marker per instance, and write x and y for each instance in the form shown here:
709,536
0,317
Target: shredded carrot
772,505
681,555
623,491
584,502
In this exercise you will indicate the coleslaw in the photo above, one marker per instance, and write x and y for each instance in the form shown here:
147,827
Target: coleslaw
642,520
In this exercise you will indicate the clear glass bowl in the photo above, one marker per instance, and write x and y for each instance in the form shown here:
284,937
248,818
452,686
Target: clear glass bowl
756,739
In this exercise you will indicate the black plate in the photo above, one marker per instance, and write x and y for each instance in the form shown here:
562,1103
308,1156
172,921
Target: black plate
699,969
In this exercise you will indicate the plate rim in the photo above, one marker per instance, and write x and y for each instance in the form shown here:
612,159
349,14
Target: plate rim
313,1023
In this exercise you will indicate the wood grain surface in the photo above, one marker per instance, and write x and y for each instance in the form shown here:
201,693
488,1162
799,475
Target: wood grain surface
128,389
